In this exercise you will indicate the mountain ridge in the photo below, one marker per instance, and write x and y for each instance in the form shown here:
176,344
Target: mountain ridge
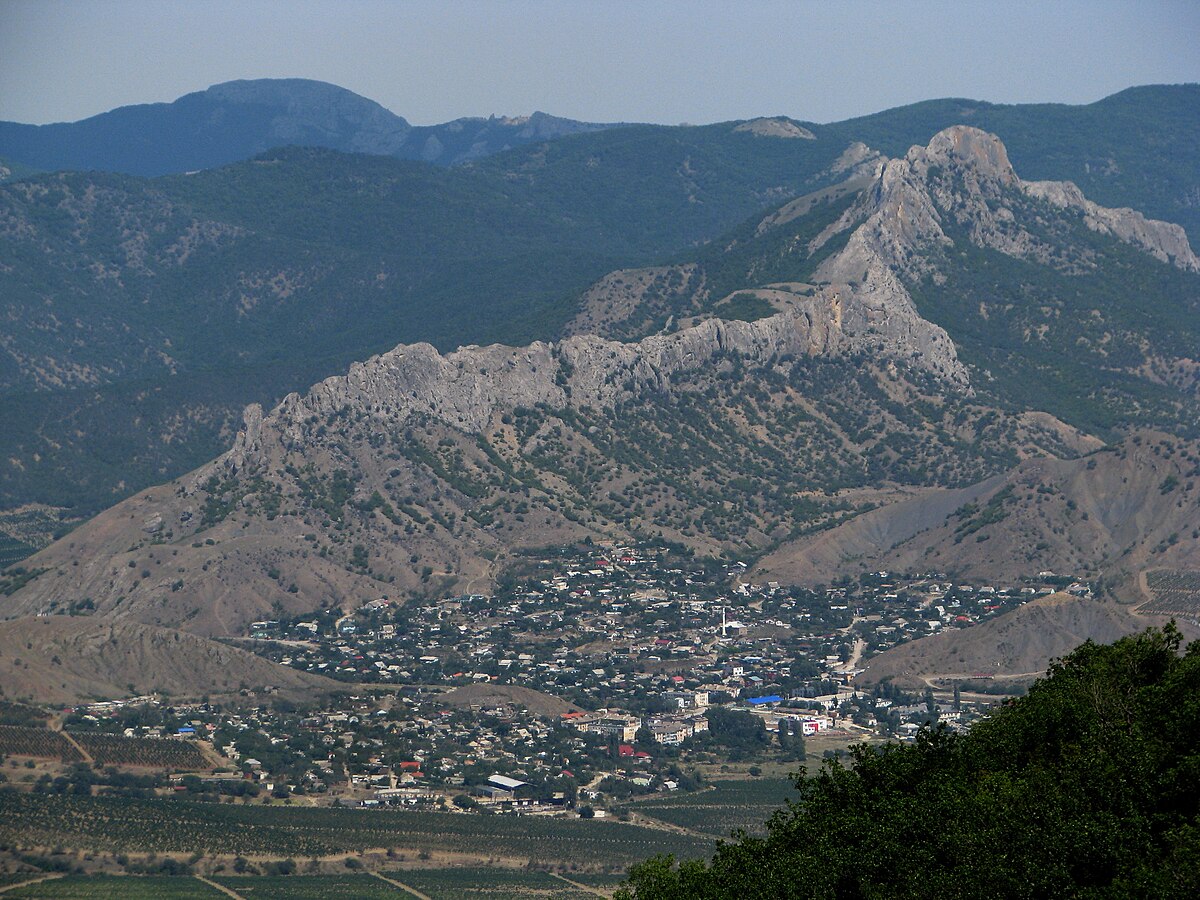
420,473
236,120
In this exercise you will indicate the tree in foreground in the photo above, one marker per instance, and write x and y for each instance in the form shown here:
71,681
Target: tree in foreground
1087,786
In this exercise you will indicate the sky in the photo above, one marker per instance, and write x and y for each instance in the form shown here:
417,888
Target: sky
644,61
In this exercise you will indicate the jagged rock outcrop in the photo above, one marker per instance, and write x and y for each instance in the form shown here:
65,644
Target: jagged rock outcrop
857,159
466,388
1164,241
963,176
964,173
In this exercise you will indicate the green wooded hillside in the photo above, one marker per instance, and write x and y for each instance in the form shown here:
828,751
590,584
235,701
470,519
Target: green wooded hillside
1089,786
142,315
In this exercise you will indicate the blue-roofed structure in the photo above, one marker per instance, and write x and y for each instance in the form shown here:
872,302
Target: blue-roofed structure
762,701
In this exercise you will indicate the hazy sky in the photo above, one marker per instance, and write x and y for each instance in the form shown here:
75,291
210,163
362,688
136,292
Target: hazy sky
648,61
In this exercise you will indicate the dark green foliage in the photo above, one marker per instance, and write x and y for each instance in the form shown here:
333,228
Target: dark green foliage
744,258
1070,338
745,307
973,518
148,313
1087,786
12,580
735,729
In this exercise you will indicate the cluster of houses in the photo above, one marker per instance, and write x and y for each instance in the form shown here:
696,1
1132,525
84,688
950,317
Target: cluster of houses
637,644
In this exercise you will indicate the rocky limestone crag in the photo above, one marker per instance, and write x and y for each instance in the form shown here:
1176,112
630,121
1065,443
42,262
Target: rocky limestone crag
965,174
857,159
466,388
1164,241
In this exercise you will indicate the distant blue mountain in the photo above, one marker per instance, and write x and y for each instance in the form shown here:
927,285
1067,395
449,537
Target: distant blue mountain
239,119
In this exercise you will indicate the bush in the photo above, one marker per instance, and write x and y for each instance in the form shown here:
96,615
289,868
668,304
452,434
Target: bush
1086,785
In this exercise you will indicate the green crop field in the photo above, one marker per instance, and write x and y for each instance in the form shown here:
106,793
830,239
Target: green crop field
154,753
7,878
19,740
729,806
488,884
593,879
309,887
118,887
180,826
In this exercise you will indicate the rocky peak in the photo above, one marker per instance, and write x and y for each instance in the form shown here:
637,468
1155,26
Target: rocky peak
1164,241
964,176
968,150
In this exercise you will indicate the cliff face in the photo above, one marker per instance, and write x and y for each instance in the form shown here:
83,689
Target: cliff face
1164,241
467,388
964,175
417,473
962,178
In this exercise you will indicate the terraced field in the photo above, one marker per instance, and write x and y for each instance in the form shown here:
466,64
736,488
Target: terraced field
730,805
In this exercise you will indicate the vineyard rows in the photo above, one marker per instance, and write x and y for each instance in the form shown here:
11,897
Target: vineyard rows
310,887
492,884
114,750
729,806
18,740
174,826
118,887
1174,592
12,551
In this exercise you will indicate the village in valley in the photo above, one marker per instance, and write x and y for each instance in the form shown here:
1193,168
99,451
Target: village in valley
591,677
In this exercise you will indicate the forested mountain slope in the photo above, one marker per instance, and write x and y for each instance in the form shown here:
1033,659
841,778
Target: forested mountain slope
144,314
426,472
236,120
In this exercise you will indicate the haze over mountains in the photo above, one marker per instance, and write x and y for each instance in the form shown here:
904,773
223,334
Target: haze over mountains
832,394
897,342
239,119
196,295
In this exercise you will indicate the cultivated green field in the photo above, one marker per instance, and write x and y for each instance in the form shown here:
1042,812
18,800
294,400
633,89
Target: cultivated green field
730,805
118,887
180,826
440,884
488,884
309,887
596,880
